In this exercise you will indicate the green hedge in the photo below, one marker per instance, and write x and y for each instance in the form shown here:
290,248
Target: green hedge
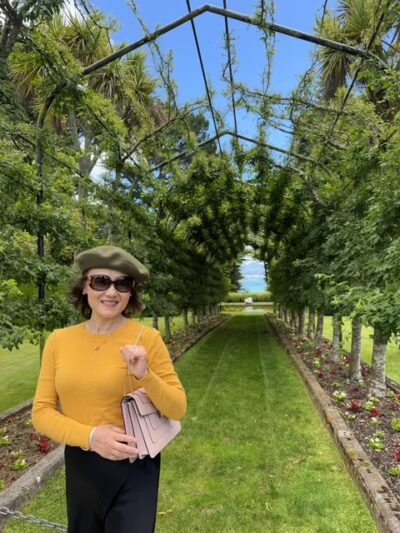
257,296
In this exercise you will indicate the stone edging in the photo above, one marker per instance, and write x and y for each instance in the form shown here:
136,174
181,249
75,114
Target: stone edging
24,488
382,502
14,410
199,337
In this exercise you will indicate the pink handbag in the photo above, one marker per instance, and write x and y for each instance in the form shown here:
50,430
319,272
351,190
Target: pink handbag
152,430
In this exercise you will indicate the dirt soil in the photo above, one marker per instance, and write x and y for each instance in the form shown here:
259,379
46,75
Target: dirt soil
20,447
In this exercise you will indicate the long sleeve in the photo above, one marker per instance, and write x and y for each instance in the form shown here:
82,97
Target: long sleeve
83,379
46,417
162,383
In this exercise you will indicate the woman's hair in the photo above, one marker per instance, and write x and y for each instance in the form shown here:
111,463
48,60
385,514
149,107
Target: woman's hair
80,300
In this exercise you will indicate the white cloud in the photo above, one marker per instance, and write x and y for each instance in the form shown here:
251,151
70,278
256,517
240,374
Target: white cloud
98,171
252,267
70,10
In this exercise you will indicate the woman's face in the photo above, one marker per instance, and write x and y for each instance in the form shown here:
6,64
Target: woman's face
107,304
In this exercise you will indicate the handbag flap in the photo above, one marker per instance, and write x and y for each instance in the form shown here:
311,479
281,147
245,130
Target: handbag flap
153,430
143,403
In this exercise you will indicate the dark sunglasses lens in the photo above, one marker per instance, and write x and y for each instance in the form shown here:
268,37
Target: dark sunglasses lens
100,283
123,284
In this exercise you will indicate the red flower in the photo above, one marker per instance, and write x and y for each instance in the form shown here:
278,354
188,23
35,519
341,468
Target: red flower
396,455
44,445
375,412
355,406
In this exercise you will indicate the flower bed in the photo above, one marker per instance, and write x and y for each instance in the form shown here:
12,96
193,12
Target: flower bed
375,422
20,446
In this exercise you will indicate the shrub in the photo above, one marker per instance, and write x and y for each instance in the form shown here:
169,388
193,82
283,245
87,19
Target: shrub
394,471
239,297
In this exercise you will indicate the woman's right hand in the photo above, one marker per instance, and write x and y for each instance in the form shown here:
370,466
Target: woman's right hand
113,443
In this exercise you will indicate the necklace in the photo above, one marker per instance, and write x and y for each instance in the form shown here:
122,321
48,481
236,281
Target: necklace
109,335
96,348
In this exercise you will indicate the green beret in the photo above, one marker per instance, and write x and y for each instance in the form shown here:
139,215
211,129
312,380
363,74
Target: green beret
114,258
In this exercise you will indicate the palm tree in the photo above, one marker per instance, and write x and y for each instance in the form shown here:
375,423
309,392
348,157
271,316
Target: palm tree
78,43
358,23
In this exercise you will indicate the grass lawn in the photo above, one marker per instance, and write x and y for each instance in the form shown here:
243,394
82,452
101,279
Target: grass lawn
393,350
19,369
254,455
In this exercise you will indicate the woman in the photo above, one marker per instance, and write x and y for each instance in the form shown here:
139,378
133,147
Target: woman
79,392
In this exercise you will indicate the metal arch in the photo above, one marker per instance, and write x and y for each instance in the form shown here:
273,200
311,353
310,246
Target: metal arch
228,47
351,50
244,138
210,105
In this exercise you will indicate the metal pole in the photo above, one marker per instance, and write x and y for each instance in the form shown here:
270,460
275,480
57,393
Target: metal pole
249,139
242,18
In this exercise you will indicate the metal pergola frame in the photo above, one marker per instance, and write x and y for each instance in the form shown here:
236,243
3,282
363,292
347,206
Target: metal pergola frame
365,54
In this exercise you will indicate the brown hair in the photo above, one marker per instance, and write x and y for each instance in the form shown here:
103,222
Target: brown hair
80,300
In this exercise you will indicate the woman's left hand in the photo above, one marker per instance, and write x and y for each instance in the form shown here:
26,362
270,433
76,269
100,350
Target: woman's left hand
136,358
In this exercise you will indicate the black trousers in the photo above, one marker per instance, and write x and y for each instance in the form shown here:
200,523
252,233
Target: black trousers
106,496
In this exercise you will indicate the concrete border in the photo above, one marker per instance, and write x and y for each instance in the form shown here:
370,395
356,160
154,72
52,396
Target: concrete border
382,502
22,490
15,410
199,337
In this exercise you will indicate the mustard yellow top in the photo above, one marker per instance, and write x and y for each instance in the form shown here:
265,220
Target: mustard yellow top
82,380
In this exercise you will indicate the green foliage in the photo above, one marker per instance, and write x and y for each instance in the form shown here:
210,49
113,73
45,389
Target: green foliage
188,224
394,471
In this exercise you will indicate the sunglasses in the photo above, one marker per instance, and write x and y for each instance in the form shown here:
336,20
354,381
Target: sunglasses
101,282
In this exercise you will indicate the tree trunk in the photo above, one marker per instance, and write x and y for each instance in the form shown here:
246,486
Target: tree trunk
355,363
185,319
311,323
377,385
155,321
293,319
286,315
320,328
9,36
111,211
302,322
167,321
336,337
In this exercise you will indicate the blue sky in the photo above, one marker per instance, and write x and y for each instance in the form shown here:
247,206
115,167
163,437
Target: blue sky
291,59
